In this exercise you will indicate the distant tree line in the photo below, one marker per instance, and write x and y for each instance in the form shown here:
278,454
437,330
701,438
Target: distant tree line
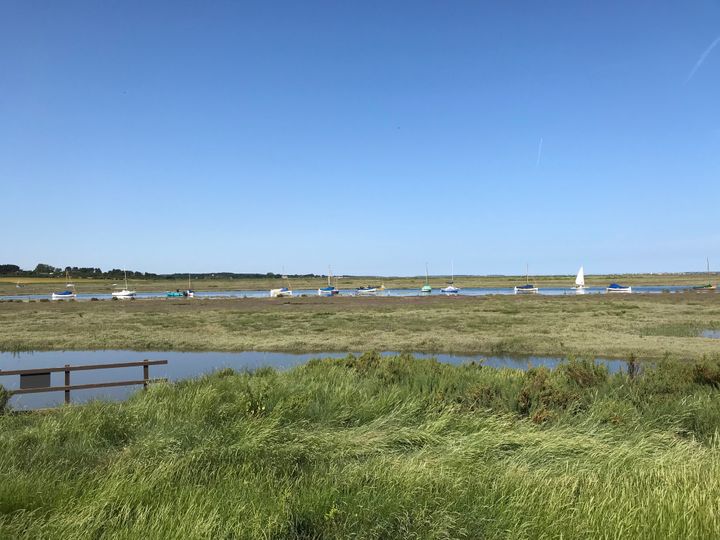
47,270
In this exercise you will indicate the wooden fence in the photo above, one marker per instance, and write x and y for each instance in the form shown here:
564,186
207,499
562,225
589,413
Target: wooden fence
36,380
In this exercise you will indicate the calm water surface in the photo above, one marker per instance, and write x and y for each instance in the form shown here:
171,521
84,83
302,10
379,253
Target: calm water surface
183,365
548,291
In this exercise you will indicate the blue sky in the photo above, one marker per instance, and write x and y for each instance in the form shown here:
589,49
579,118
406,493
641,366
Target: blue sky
370,135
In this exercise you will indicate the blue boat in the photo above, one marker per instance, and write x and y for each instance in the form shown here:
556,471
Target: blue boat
617,288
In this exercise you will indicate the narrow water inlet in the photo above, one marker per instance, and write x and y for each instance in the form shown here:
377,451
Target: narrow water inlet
185,365
712,334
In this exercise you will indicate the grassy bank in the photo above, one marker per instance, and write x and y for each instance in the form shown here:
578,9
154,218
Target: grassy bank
31,285
371,448
649,326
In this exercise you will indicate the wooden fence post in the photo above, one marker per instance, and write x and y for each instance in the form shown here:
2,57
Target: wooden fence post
67,383
146,374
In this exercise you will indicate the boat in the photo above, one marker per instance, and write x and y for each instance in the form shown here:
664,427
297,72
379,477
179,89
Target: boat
451,288
175,294
125,293
281,292
528,288
616,288
426,289
708,286
580,281
68,293
64,295
189,291
330,290
366,291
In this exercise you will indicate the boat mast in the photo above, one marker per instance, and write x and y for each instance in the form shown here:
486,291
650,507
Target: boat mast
452,272
126,285
189,285
426,274
527,273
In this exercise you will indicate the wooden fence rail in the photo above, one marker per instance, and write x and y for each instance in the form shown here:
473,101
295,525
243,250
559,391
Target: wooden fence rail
36,380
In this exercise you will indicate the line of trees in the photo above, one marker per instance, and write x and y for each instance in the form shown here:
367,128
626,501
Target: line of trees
47,270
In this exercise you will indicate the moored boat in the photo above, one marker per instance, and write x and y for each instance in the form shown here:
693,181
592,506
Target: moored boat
366,291
64,295
281,292
330,290
426,289
528,288
708,286
68,293
125,293
451,288
617,288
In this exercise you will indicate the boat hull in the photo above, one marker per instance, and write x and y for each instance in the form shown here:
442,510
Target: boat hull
123,295
622,290
60,296
527,290
280,293
366,292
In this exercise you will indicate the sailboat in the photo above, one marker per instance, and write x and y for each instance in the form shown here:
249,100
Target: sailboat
426,289
451,288
528,288
580,281
68,293
709,286
189,292
125,293
330,290
282,291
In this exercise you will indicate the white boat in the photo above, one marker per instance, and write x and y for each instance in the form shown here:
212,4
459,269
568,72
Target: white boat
528,288
125,293
281,292
64,295
451,288
189,292
615,288
330,290
366,291
68,293
580,281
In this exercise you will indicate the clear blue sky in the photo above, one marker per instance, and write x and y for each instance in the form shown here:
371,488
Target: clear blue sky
370,135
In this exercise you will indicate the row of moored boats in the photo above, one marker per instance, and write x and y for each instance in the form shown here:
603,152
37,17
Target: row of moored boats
369,290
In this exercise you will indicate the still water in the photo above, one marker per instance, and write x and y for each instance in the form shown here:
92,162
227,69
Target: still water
183,365
549,291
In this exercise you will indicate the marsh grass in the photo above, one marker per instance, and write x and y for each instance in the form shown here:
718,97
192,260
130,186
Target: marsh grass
376,447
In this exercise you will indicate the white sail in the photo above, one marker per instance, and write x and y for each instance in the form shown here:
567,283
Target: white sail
580,279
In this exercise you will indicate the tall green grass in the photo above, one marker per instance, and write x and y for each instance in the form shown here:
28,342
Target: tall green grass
375,447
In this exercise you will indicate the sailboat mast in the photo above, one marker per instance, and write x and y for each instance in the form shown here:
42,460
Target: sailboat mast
527,273
426,274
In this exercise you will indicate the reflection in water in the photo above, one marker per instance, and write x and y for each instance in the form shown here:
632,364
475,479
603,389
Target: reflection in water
183,365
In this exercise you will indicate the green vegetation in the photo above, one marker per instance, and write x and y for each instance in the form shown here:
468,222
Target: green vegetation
649,326
376,447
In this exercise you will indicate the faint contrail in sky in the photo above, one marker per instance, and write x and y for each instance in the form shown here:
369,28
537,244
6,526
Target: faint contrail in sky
702,58
537,163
